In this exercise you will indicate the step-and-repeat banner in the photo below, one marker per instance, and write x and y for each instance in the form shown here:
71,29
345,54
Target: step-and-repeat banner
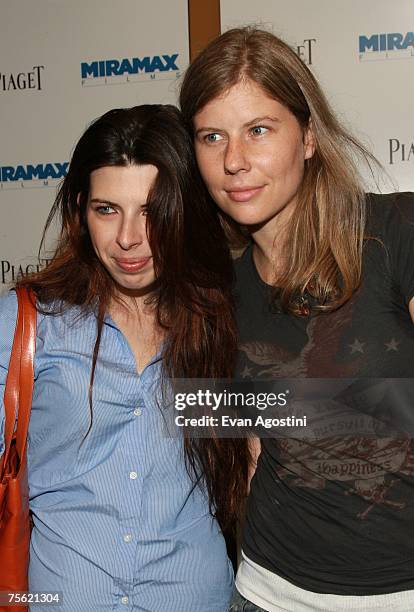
62,64
362,52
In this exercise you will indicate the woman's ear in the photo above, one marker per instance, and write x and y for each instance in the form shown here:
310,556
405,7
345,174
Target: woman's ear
309,142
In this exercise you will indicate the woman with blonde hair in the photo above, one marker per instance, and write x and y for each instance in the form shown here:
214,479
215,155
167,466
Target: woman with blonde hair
325,289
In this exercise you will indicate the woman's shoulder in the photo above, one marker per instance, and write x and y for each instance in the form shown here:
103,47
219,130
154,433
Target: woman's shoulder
8,313
390,221
57,317
60,318
8,305
390,213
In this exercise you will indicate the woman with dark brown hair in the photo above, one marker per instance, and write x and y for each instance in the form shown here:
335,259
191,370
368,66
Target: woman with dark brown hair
138,290
325,290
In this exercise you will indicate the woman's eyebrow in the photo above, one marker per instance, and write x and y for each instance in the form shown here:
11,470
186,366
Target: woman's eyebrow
103,201
249,123
257,120
206,129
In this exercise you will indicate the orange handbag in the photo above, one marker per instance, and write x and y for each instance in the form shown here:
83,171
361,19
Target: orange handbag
14,490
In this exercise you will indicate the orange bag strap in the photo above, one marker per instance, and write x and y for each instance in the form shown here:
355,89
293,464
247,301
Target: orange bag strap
19,383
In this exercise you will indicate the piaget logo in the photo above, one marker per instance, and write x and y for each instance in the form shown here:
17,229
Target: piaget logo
129,70
400,151
32,175
10,271
305,50
392,45
25,80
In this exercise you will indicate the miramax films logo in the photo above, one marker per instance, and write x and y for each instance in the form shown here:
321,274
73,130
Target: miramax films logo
31,176
386,46
130,69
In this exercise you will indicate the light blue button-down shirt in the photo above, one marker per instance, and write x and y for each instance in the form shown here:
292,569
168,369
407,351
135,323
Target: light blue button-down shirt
117,522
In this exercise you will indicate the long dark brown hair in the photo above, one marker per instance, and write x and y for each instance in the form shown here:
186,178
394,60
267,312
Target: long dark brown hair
326,231
192,265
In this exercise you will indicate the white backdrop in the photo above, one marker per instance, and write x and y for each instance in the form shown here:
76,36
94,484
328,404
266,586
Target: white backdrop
45,104
371,90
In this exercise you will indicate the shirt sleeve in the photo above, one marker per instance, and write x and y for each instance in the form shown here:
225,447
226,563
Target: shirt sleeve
8,314
399,236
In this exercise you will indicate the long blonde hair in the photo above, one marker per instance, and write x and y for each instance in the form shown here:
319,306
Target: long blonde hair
326,231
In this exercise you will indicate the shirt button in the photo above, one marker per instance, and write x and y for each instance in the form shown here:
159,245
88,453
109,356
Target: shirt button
125,600
127,537
133,475
137,411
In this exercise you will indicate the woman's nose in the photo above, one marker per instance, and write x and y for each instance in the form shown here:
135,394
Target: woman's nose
236,157
131,233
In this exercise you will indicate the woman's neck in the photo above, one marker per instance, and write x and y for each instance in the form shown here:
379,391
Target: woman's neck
270,252
137,320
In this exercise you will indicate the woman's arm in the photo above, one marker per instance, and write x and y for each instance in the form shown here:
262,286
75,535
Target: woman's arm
8,313
255,448
411,308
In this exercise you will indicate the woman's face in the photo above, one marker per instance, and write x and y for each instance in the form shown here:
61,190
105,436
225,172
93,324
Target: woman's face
251,152
116,220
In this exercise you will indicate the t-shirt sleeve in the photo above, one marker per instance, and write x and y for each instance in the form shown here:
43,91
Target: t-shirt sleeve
8,314
399,237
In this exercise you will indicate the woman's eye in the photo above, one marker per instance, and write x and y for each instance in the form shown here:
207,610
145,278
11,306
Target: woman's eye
104,209
213,137
258,130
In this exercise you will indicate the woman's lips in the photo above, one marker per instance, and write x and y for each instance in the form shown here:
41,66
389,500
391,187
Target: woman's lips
132,265
243,194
